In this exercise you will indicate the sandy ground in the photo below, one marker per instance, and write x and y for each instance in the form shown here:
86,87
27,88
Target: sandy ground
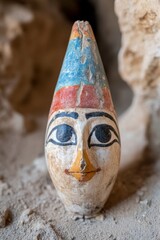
30,208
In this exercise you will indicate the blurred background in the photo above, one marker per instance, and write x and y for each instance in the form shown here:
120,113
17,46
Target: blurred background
33,39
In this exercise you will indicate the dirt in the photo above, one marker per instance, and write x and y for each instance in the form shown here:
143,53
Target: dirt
35,211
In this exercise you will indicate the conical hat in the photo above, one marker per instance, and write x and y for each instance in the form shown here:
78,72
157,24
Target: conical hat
82,82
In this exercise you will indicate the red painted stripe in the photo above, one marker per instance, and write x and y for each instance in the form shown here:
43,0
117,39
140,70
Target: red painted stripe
86,97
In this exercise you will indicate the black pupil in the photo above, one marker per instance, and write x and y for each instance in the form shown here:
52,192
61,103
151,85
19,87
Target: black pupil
64,133
103,133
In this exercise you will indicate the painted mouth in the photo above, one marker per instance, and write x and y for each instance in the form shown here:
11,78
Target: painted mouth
83,176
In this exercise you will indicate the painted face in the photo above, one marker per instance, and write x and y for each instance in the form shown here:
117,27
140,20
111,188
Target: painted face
82,152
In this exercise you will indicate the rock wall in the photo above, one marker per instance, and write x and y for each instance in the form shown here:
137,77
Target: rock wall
33,39
139,65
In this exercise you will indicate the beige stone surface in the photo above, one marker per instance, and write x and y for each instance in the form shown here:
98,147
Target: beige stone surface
139,65
32,44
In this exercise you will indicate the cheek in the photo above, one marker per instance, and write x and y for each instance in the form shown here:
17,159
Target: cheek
60,158
106,158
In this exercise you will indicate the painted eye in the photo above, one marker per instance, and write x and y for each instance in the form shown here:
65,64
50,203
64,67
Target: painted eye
63,135
103,135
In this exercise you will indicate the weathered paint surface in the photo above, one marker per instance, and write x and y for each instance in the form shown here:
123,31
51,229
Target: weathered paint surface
82,64
82,97
82,139
82,81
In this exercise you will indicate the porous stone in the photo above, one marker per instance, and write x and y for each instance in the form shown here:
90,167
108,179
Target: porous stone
28,58
139,65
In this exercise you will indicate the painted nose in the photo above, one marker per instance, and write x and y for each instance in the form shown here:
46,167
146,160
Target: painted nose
82,169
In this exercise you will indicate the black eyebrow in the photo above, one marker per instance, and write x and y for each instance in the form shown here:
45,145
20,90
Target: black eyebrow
101,114
64,114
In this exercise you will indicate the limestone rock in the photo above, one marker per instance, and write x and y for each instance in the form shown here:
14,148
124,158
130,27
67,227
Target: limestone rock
139,65
32,44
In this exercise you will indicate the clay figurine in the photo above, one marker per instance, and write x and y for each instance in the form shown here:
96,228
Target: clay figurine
82,143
